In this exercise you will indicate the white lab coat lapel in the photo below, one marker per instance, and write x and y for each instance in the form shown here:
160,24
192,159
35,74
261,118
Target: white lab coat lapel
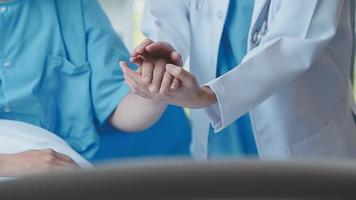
207,20
298,129
221,8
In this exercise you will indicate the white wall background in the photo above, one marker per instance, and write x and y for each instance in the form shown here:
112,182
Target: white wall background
125,16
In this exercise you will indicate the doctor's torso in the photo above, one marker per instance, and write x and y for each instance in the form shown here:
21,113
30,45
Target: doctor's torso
306,115
315,107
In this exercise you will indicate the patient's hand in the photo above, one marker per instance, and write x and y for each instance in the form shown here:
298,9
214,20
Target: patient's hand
149,78
190,94
150,56
154,79
34,162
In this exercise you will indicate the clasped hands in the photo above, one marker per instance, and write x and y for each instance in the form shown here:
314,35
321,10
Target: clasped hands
161,77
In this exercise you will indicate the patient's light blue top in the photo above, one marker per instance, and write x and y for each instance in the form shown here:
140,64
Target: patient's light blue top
237,140
40,83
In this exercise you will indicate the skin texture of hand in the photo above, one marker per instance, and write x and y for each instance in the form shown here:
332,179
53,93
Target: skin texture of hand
189,94
34,162
147,54
156,78
140,86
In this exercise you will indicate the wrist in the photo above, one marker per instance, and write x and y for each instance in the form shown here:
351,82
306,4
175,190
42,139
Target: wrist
209,97
159,104
155,102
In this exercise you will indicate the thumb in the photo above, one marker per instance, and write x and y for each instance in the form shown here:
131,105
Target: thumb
127,70
176,58
139,50
160,49
180,73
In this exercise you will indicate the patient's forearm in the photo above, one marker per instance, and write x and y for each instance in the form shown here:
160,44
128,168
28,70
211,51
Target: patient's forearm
136,113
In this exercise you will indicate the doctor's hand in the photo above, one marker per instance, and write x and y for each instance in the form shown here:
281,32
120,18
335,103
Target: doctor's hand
151,52
34,162
157,50
190,94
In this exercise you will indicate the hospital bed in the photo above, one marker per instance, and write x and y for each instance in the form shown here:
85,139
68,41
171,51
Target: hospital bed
192,180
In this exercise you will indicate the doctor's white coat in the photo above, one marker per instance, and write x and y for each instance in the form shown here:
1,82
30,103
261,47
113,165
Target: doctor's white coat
295,85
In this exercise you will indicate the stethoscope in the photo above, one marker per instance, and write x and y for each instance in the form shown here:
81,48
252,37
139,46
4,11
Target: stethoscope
260,28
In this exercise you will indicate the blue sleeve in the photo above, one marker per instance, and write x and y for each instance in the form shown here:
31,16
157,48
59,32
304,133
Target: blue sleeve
105,50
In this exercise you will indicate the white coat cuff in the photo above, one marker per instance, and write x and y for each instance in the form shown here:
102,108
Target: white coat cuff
214,115
214,111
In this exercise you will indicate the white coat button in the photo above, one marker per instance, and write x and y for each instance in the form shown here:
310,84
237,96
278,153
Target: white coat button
200,4
3,10
220,15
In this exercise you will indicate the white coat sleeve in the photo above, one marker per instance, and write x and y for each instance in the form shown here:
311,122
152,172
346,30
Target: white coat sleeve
299,33
168,21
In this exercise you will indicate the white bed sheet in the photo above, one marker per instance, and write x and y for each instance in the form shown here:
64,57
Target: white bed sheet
16,137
